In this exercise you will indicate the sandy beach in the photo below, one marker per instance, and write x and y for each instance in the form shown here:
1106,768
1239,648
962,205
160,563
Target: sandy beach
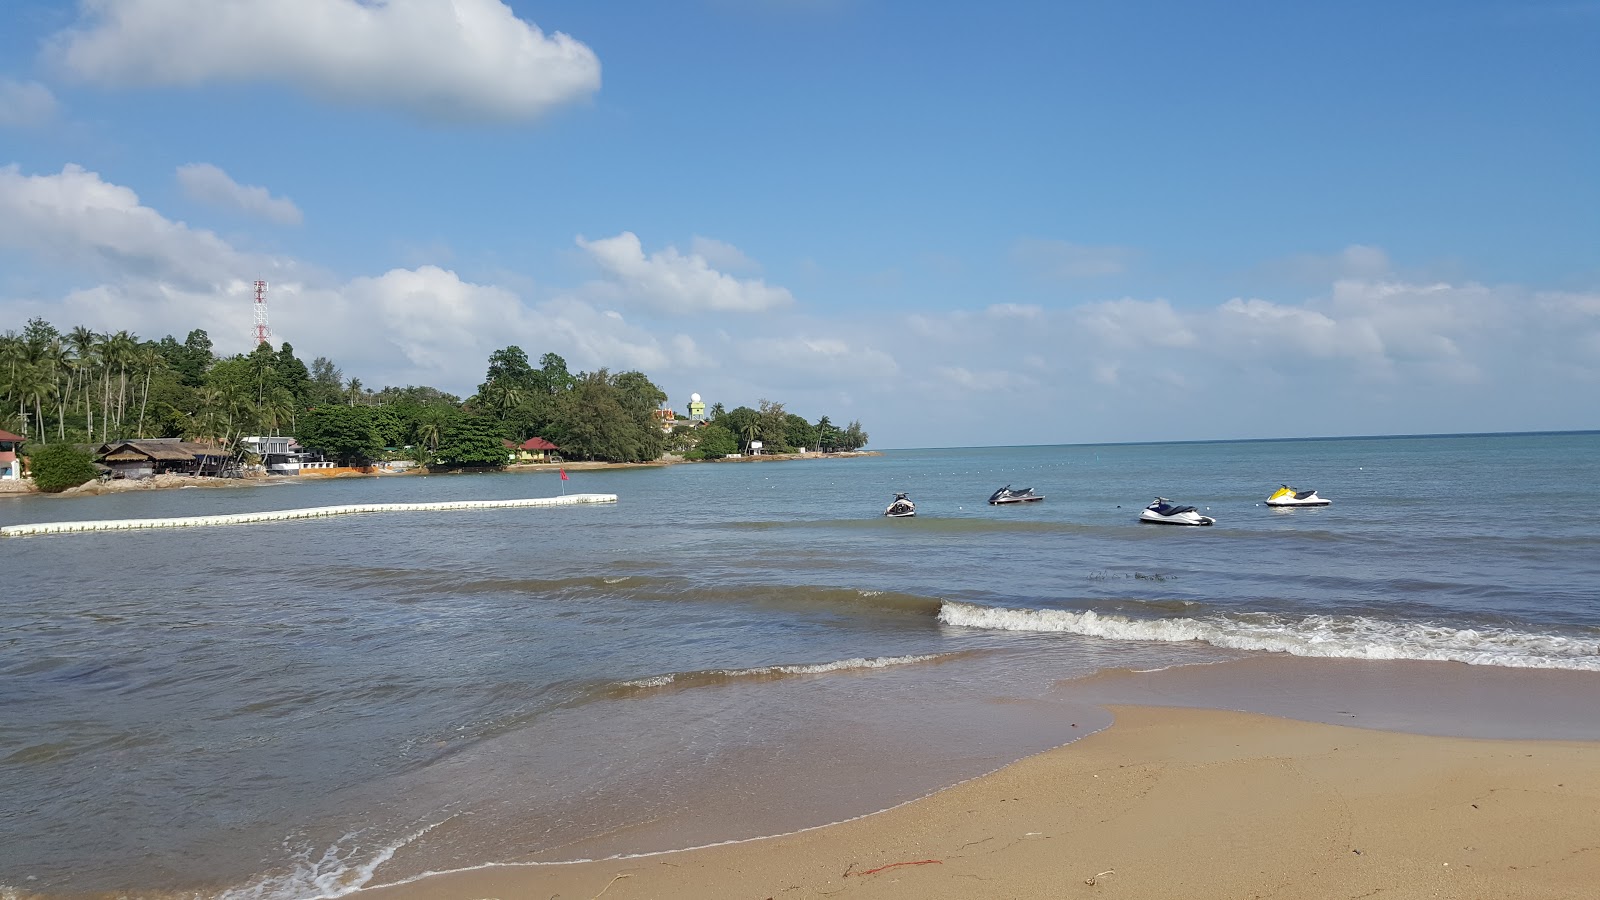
1166,803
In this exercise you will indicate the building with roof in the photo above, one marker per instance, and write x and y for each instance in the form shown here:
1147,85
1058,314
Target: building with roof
534,449
161,456
10,463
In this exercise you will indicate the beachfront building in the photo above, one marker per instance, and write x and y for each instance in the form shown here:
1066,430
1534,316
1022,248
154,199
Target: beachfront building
532,450
10,462
666,419
697,408
161,456
280,455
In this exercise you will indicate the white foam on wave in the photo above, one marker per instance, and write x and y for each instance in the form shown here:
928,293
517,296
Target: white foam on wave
1352,637
339,871
859,662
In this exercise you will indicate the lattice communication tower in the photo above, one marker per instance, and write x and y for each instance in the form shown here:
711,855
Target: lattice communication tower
263,334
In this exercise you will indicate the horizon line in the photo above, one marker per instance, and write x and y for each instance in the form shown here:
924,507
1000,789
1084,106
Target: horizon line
1269,440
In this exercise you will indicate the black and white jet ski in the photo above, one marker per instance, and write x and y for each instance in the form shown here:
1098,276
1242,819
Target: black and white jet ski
1007,495
1165,512
901,507
1288,496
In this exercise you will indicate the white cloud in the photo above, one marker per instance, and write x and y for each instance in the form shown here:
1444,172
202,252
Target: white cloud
1064,259
984,381
455,60
1129,323
209,184
152,275
1015,311
75,217
1359,261
670,282
25,104
816,358
722,255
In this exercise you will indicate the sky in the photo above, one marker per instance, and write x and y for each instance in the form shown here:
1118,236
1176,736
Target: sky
962,224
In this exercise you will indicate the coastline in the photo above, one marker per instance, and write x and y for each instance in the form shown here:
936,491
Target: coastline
167,482
1167,802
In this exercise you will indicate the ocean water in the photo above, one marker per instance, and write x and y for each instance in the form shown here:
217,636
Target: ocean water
296,709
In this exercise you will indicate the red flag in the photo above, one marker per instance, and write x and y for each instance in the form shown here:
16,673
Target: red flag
563,474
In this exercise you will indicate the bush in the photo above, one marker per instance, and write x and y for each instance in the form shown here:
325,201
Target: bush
57,467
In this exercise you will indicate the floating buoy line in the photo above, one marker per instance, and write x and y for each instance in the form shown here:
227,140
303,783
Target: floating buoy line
281,515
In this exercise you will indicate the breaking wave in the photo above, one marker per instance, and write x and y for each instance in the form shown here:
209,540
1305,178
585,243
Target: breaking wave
1351,637
707,677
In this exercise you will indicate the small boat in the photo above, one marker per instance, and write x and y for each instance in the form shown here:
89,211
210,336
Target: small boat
901,508
1288,496
1007,495
1165,512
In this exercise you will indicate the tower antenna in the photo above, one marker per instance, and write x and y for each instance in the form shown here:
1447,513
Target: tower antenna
263,334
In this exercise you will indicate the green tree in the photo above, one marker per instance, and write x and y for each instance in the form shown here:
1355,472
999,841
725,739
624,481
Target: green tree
744,423
346,433
799,433
60,466
716,442
327,383
471,441
774,427
553,375
591,422
853,438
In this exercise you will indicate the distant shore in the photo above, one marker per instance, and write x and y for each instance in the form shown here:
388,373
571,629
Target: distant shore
1166,803
166,482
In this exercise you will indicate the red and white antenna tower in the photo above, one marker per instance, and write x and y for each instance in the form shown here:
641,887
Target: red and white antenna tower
263,334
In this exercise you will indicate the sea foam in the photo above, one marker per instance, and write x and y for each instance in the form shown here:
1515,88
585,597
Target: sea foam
1353,637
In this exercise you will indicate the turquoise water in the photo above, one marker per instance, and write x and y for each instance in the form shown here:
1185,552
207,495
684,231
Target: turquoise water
280,710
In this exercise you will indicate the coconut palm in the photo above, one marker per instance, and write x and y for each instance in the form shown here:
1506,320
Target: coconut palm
428,433
148,359
85,346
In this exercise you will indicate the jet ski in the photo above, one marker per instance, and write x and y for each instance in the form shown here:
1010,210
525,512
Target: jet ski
1288,496
901,507
1007,495
1165,512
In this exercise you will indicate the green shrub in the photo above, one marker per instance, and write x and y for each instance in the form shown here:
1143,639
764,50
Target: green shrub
57,467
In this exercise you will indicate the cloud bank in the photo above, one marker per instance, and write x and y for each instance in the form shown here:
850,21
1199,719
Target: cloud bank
670,282
449,60
208,184
1364,355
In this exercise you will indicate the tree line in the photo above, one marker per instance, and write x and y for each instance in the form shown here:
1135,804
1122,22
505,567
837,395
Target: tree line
87,387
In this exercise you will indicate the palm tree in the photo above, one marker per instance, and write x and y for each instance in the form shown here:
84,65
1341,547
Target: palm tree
505,395
276,408
13,356
428,433
25,382
353,391
85,344
58,362
120,349
149,359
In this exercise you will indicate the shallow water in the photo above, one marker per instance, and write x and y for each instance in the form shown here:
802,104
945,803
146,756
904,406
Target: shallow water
730,650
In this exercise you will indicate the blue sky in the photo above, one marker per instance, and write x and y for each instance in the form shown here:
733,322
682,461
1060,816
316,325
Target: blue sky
960,223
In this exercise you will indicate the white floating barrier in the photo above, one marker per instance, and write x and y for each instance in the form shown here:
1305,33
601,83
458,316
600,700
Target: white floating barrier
279,515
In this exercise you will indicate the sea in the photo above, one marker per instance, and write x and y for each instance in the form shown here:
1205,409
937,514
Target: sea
300,709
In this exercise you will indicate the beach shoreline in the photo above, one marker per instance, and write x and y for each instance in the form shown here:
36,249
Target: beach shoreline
167,482
1167,802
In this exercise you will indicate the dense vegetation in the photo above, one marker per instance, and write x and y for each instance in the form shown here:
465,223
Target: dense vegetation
57,467
85,387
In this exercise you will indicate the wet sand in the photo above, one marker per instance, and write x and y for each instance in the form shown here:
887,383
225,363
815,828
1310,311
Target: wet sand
1166,803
